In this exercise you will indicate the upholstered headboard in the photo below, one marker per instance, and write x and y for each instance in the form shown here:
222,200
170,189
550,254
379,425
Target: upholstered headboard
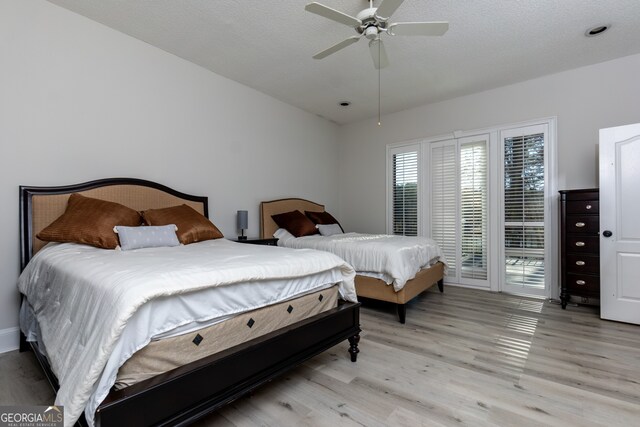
40,206
273,207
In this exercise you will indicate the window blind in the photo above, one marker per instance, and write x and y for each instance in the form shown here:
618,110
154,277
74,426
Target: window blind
405,193
443,171
524,210
473,210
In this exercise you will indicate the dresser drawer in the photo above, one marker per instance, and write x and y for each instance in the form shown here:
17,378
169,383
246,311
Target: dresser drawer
583,206
582,224
580,264
583,284
583,244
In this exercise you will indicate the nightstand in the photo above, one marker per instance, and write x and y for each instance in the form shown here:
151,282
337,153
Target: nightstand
271,241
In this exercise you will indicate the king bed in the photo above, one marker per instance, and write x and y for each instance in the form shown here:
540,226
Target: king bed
166,335
418,262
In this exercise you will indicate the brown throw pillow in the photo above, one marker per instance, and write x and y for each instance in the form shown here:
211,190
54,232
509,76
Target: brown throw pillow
322,218
295,223
90,221
192,226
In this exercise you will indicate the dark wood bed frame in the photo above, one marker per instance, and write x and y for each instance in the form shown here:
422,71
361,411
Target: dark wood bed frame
187,393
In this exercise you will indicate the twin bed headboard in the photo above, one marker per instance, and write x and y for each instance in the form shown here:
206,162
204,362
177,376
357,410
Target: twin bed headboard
40,206
273,207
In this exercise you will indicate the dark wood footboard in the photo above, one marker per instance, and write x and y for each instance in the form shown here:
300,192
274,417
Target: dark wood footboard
185,394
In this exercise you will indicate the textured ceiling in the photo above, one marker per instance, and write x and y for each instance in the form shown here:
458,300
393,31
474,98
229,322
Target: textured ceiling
267,45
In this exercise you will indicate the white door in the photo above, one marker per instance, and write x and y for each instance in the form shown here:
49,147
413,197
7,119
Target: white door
525,198
619,225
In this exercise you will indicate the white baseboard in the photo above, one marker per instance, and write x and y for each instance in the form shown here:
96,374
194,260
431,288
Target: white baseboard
9,339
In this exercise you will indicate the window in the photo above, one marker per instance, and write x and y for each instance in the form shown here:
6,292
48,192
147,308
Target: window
485,197
404,191
443,206
473,209
458,215
524,208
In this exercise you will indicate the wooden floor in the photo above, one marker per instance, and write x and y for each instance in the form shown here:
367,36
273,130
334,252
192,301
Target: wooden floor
464,357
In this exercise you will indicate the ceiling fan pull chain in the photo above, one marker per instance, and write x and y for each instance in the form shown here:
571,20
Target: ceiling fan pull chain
379,95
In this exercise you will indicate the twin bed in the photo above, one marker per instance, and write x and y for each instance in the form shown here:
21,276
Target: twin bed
164,336
390,268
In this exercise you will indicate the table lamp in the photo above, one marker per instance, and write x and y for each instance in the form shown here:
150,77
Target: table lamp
243,219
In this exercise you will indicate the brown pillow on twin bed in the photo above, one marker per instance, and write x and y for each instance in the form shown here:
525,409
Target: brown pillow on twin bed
192,226
295,223
323,218
90,221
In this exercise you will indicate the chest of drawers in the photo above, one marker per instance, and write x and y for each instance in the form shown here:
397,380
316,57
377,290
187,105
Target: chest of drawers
579,244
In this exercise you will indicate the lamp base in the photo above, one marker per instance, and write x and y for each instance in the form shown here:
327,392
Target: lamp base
242,237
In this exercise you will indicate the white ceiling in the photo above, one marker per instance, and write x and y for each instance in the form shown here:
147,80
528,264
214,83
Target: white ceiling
267,45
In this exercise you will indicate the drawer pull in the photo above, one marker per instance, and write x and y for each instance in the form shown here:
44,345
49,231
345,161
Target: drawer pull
580,244
581,282
580,224
580,263
588,206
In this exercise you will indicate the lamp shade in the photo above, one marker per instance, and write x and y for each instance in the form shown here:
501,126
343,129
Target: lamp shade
243,220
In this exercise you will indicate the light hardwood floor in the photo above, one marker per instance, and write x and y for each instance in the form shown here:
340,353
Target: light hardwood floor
464,357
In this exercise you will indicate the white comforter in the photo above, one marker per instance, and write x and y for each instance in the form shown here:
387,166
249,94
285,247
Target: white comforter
83,298
395,259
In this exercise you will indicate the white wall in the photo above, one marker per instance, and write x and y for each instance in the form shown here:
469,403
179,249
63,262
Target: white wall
79,101
584,100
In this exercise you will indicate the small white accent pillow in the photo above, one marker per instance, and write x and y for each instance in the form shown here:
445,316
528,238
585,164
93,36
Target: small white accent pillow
283,235
329,229
146,236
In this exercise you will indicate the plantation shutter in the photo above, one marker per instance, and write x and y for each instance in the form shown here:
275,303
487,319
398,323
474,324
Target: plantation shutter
404,193
444,212
473,209
524,182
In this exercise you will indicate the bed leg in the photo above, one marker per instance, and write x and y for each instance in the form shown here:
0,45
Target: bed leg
402,312
441,285
353,348
24,345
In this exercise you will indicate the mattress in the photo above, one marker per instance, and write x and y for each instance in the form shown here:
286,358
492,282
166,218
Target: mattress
95,308
394,259
163,355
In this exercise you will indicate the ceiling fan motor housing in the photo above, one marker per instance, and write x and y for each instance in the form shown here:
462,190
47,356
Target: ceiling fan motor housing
371,25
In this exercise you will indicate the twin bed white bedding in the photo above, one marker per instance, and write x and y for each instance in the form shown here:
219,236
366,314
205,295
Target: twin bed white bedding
394,259
115,302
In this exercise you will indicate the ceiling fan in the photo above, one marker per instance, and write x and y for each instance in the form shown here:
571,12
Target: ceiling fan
372,23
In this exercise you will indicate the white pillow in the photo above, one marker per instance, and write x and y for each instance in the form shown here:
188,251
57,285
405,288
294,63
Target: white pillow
146,236
283,235
329,229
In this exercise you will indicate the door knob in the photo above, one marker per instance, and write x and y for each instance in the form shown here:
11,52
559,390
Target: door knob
607,233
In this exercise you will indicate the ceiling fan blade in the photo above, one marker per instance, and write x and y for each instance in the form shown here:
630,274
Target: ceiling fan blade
336,47
418,28
387,7
378,54
334,15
